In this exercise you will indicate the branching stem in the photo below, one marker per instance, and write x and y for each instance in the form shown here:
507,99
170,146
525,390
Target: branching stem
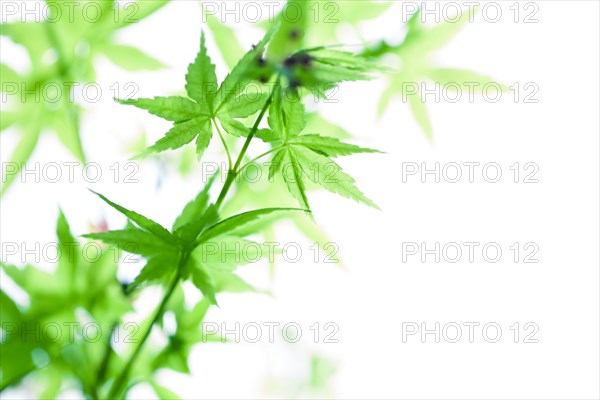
232,173
266,153
229,162
117,385
121,379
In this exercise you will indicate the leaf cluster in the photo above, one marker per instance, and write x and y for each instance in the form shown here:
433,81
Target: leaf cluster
62,50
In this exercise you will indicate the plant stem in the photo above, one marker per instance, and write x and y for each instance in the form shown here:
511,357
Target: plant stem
105,360
229,162
122,377
232,173
255,159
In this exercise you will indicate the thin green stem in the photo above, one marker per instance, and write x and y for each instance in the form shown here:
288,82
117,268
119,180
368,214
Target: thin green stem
232,173
255,159
229,162
101,374
122,377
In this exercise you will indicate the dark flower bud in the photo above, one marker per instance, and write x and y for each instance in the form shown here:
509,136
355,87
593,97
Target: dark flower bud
290,61
305,60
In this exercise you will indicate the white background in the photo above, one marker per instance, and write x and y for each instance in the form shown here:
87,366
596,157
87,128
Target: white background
375,292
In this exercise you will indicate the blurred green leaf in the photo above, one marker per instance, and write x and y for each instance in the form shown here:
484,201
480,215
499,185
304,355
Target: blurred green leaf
131,58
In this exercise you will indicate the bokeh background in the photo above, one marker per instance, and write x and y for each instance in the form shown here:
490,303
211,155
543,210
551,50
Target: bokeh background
374,291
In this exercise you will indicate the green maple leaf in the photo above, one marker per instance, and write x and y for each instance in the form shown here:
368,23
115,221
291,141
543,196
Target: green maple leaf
417,66
150,240
78,43
191,116
166,251
59,297
308,156
314,23
194,117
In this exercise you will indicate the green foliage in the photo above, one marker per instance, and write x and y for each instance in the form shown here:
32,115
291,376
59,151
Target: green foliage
184,252
76,287
76,42
263,97
307,156
317,25
172,254
417,66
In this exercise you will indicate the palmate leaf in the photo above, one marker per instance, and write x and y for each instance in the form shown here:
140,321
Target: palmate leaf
319,69
197,215
189,331
62,37
224,36
292,33
165,250
32,36
30,134
420,113
152,241
304,156
225,281
143,9
219,251
436,37
343,60
202,279
158,269
329,146
275,193
296,163
182,134
325,30
175,109
326,173
143,222
229,225
66,241
201,79
213,261
293,174
302,31
76,286
243,73
238,129
195,209
192,118
229,252
286,114
244,105
136,241
162,392
417,65
10,310
130,58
